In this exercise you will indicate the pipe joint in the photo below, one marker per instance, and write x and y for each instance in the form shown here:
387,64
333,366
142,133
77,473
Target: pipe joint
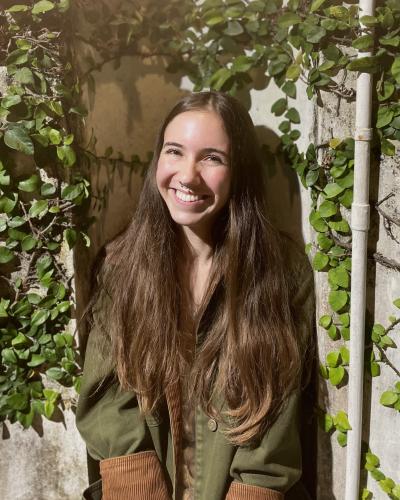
359,217
363,134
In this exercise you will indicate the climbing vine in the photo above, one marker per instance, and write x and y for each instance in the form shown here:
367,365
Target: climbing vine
219,44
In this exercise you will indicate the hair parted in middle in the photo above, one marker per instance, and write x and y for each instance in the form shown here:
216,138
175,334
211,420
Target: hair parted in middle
250,354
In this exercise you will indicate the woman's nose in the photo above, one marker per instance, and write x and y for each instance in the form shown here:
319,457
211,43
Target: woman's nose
189,173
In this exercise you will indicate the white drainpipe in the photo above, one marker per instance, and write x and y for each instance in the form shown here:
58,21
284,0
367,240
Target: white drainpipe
360,226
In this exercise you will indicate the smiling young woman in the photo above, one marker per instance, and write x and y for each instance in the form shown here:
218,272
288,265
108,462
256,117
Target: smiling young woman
201,323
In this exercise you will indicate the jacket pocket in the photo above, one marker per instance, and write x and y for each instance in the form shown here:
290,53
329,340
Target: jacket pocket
138,476
93,492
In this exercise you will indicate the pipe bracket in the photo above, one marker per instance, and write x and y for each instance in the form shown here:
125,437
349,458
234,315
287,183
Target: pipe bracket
360,217
363,134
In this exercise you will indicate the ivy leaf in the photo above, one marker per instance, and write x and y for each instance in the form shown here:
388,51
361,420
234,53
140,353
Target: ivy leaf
363,42
290,89
341,437
320,261
39,208
293,72
24,76
289,19
234,28
316,5
332,189
67,155
242,64
293,115
55,373
341,421
28,243
324,242
29,185
327,209
42,7
16,137
6,255
39,317
37,359
396,303
279,107
317,222
18,8
10,100
385,116
387,147
368,64
333,359
388,398
339,276
338,299
312,177
336,375
395,69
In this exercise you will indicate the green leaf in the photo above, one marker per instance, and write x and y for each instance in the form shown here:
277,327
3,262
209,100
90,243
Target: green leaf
396,303
345,354
339,276
336,375
324,242
37,359
242,64
29,185
316,5
341,226
320,261
293,115
70,236
42,6
327,209
369,20
327,422
18,401
39,208
389,398
344,319
67,155
375,369
28,243
55,373
18,8
338,299
341,421
368,64
234,28
333,359
333,332
47,189
39,317
279,107
290,89
293,72
289,19
312,177
49,408
345,333
332,190
317,222
10,100
24,76
395,69
387,484
372,459
341,437
386,91
387,147
325,321
16,137
385,116
363,42
6,255
8,356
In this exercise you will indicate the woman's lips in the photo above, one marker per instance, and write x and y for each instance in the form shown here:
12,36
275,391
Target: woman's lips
188,199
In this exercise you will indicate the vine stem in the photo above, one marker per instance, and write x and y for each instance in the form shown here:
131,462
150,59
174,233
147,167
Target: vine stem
387,361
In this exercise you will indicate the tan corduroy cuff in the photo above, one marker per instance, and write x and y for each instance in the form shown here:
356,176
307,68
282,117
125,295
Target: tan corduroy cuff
138,476
241,491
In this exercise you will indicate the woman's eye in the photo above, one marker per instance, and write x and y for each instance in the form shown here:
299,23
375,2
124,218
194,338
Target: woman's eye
174,152
214,158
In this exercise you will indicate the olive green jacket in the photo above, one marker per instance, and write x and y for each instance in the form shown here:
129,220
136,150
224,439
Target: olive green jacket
138,455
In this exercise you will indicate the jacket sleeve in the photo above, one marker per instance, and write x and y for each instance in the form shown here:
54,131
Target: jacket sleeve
274,467
111,425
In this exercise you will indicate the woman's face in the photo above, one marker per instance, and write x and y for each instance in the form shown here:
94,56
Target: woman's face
193,172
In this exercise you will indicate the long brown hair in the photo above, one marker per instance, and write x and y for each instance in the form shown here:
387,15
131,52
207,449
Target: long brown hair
250,354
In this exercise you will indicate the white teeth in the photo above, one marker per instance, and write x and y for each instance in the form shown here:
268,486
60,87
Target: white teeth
187,197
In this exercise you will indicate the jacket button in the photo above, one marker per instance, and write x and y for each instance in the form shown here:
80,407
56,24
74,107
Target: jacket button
212,424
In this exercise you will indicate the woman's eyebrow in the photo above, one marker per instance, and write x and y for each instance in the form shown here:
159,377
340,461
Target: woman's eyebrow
205,150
